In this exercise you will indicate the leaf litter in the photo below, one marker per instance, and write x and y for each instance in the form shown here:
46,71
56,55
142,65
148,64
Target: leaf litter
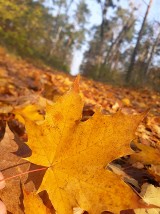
38,86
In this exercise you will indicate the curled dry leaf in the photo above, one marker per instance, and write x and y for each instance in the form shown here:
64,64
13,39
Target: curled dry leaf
76,154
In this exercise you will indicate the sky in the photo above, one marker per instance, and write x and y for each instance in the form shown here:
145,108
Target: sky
95,18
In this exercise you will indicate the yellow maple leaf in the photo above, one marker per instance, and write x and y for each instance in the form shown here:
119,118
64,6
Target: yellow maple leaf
76,154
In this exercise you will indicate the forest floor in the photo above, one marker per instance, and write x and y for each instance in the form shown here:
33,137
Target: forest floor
22,83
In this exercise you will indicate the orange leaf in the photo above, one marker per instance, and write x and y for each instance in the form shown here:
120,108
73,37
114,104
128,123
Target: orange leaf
33,204
76,154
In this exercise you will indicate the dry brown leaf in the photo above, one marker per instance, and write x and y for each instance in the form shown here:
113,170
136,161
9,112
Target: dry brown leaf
11,164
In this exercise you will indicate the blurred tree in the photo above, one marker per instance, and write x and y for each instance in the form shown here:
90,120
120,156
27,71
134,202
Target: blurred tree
24,26
93,58
103,56
123,34
72,29
134,54
111,53
51,32
105,5
35,29
148,70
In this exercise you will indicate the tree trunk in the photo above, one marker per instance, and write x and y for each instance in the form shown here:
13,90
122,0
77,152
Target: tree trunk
116,42
133,57
115,45
61,27
152,53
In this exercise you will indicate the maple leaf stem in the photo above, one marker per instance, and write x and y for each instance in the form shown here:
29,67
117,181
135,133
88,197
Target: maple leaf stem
23,173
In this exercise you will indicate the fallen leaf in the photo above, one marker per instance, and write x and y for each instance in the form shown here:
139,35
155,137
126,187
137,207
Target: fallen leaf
147,211
151,195
30,111
11,164
33,204
126,102
147,155
154,170
76,154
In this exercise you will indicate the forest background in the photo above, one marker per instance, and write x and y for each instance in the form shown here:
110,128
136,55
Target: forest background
123,49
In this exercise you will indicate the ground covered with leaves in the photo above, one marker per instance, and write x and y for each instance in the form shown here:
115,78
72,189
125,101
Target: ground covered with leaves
24,91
